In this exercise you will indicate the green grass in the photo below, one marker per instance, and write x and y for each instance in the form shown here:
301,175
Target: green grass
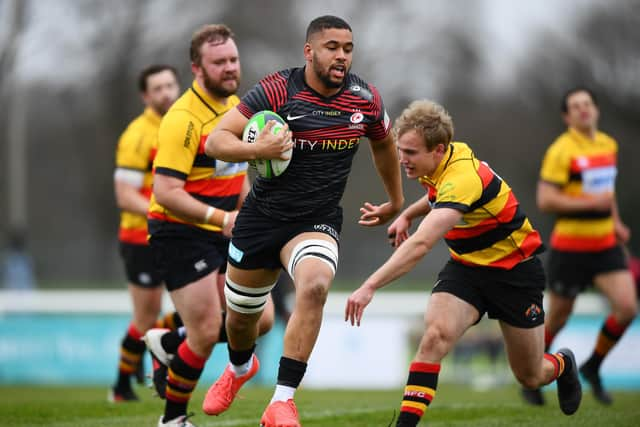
455,405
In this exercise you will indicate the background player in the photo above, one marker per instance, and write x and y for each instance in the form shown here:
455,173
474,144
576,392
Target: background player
493,266
294,220
577,184
158,85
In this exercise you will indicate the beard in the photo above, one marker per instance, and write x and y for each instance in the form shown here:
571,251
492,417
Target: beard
217,89
324,76
162,107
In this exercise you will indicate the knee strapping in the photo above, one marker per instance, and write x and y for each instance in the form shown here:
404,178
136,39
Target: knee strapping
245,300
323,250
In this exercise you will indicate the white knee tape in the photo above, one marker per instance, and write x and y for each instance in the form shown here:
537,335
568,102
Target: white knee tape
245,300
323,250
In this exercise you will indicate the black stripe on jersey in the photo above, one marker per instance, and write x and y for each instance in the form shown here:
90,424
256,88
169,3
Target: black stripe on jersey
204,102
488,239
457,206
575,176
489,193
586,215
227,203
204,161
171,172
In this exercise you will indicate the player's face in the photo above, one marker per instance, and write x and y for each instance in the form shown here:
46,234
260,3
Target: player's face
331,53
414,157
219,69
162,91
582,113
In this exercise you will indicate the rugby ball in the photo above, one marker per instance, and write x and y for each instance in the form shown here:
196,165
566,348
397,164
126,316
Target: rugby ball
257,122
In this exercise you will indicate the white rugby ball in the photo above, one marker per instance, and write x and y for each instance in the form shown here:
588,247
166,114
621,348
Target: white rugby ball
257,122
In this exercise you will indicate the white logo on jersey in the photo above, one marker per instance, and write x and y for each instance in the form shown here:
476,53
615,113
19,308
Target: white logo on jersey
356,118
290,117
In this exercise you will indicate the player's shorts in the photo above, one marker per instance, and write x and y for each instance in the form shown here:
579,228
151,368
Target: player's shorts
257,239
513,296
184,254
139,265
572,272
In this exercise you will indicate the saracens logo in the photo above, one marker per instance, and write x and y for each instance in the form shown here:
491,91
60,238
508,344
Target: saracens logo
356,118
533,312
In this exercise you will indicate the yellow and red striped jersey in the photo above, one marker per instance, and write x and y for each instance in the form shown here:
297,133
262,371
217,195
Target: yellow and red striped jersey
181,138
135,151
494,231
580,167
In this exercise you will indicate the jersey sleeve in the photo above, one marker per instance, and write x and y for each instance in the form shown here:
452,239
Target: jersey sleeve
178,141
268,94
381,124
459,188
556,165
132,152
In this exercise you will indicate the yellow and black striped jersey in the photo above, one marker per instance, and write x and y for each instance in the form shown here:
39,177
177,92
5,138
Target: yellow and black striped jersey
181,138
581,166
135,151
494,231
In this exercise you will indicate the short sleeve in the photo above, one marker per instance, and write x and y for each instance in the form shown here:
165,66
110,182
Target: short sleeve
178,141
460,186
381,124
556,165
132,152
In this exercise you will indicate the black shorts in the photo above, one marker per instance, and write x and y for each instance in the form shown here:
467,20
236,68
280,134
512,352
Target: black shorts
184,253
257,239
513,296
572,272
139,265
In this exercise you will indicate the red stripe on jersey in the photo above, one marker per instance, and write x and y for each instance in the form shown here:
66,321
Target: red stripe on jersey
527,248
585,162
504,217
582,243
137,236
152,154
213,187
203,140
486,174
146,192
275,87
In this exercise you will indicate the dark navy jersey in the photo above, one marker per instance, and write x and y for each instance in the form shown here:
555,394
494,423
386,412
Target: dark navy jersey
326,133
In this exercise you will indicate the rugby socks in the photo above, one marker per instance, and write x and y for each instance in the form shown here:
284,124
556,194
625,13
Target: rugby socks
184,371
241,361
290,375
608,337
548,339
419,392
172,340
169,321
131,350
558,361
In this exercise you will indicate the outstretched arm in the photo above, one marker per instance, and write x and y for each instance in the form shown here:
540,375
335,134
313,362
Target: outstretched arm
432,228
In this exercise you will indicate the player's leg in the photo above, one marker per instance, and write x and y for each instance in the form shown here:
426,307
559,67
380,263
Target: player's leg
199,307
447,317
534,368
245,305
619,289
311,259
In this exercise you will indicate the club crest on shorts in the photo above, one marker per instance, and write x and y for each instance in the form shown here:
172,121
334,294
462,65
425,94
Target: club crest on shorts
532,312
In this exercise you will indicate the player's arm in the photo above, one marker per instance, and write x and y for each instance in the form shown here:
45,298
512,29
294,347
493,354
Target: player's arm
127,183
246,187
551,199
432,228
398,231
225,142
385,158
623,233
170,193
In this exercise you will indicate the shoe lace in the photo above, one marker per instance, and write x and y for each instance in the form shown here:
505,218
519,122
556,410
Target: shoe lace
225,384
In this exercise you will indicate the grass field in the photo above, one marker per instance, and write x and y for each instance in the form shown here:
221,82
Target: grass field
454,405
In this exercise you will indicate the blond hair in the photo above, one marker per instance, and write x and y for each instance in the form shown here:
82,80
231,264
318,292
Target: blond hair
211,33
429,119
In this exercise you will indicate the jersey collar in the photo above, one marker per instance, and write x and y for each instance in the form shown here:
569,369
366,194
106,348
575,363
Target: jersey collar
210,102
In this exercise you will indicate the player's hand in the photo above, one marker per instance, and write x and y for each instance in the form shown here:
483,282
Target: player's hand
398,231
274,146
356,303
372,215
623,233
231,222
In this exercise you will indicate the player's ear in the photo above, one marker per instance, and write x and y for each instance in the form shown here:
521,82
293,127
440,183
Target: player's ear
308,52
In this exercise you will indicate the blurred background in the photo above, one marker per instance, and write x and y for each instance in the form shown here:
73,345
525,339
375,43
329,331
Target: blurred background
68,73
